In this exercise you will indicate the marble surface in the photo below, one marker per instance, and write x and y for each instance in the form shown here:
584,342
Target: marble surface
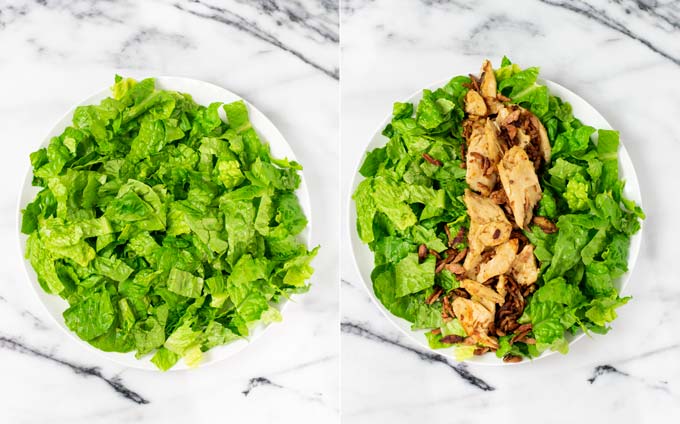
280,56
621,56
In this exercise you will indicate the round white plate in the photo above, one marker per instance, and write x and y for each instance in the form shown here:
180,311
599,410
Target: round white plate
203,93
363,257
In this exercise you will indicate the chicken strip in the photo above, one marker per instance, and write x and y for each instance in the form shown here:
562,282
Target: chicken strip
524,269
488,84
474,104
481,291
476,320
543,141
488,227
484,154
501,286
520,183
500,263
488,88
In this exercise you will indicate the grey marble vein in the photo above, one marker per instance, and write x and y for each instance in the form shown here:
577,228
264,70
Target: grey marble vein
460,369
257,382
293,13
670,15
115,382
224,16
78,9
605,369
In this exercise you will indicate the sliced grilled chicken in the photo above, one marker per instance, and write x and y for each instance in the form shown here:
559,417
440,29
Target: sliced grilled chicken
524,269
488,227
475,319
484,154
520,183
474,103
500,263
481,291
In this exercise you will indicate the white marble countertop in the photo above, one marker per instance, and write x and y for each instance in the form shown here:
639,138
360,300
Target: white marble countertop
280,57
624,58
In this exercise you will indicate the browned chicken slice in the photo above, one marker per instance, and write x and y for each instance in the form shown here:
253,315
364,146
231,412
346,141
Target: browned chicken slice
544,142
488,88
501,286
484,153
474,103
520,184
488,84
500,263
481,291
482,209
488,227
524,269
475,319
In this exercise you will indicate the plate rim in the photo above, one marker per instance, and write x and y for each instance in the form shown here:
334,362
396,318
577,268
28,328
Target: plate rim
127,359
350,226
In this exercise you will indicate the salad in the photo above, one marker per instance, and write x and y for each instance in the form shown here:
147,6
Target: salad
497,219
167,230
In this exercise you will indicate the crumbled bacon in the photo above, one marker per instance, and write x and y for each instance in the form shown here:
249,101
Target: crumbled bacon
434,296
432,160
451,339
512,359
544,224
422,252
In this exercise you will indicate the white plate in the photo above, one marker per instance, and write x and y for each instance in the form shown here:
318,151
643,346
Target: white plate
363,257
203,93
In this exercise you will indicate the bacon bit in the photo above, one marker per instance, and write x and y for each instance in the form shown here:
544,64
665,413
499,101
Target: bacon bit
518,337
524,327
481,351
452,339
434,296
474,83
528,340
455,269
459,237
436,331
511,359
460,256
544,224
446,307
512,131
502,98
435,253
422,253
448,234
432,160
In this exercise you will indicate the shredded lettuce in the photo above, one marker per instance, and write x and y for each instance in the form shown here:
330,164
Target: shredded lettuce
167,230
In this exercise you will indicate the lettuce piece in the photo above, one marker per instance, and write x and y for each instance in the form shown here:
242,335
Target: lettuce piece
411,276
366,210
91,317
184,283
